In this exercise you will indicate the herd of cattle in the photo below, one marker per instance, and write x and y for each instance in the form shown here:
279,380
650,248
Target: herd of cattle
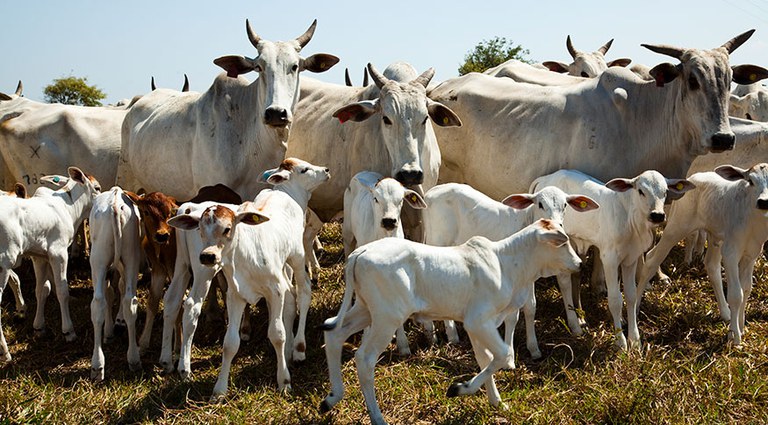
601,151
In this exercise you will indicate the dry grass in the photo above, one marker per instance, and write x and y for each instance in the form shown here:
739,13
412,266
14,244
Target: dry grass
686,372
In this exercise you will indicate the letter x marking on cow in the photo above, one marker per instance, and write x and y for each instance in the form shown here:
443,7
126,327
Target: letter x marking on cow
35,151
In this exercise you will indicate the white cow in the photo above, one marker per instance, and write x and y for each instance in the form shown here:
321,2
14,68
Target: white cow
731,204
609,126
587,65
457,212
177,142
479,282
522,72
621,229
254,261
749,101
114,230
43,227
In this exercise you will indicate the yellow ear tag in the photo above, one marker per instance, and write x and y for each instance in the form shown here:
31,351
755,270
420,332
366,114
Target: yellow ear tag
752,77
583,204
256,218
413,198
445,120
679,186
323,65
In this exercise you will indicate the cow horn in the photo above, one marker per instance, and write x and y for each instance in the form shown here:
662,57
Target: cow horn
737,41
152,84
675,52
365,77
425,77
605,47
185,87
347,80
255,39
304,38
19,88
572,50
378,79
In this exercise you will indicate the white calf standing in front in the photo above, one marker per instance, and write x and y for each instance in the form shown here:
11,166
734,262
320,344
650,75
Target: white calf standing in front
621,229
457,212
43,227
372,205
254,260
479,283
731,204
114,228
19,191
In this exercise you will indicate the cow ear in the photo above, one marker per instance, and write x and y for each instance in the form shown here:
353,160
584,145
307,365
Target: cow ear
582,203
622,62
414,199
442,115
619,185
184,222
518,201
748,74
251,218
132,196
279,177
556,66
319,62
234,65
77,175
679,186
20,190
359,111
664,73
4,96
731,173
551,234
735,106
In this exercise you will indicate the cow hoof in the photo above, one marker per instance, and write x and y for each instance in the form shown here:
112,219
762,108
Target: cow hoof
286,388
577,331
19,317
134,367
325,407
41,333
245,337
185,375
97,375
536,354
166,368
70,336
6,357
218,398
299,356
454,389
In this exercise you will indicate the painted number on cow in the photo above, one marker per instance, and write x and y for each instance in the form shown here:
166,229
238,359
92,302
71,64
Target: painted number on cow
32,178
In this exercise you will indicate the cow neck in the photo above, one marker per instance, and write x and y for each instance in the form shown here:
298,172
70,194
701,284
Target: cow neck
76,201
515,253
297,192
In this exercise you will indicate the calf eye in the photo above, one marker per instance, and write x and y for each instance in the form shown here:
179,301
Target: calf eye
226,231
584,74
294,68
425,120
750,182
641,192
387,121
304,170
693,83
541,206
257,68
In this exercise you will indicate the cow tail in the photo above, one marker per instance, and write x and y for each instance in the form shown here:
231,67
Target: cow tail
117,224
346,303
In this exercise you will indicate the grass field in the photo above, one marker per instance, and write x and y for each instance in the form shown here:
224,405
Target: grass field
686,372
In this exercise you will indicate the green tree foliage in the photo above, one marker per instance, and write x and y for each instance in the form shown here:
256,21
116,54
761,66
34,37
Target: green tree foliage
489,53
73,91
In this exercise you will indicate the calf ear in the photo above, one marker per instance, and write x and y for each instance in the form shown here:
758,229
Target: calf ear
319,62
135,198
556,66
77,175
518,201
357,112
20,190
554,237
55,179
620,185
184,222
442,115
748,74
251,218
414,199
729,172
622,62
234,65
279,177
679,186
582,203
664,73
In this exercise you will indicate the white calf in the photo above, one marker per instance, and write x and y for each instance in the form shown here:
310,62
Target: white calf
43,227
19,191
114,229
254,261
621,229
731,204
480,283
458,212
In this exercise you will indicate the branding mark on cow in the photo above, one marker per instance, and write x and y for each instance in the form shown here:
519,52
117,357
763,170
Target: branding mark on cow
35,152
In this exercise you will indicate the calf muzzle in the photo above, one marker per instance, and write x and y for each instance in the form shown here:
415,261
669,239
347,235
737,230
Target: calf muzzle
207,259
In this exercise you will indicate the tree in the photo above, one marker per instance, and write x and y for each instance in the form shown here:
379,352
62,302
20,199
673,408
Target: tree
489,53
73,91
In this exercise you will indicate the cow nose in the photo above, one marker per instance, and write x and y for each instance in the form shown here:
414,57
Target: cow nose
162,237
657,217
723,142
762,204
276,116
410,177
389,223
207,258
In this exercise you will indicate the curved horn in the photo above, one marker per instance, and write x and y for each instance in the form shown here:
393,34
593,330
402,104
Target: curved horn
152,84
252,35
605,47
19,88
737,41
365,77
570,47
378,79
675,52
304,38
347,80
425,77
185,87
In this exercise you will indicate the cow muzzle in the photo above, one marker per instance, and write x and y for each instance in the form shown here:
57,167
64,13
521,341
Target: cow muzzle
389,223
762,204
723,142
657,217
276,116
410,177
162,238
207,258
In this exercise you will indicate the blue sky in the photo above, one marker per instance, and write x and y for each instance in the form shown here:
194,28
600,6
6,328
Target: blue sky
119,45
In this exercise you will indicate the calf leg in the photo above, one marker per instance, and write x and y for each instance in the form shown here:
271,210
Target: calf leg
531,342
564,281
746,268
153,305
130,308
59,268
735,297
713,264
628,272
277,333
99,311
303,298
615,301
192,306
5,354
42,290
15,284
375,341
171,305
235,307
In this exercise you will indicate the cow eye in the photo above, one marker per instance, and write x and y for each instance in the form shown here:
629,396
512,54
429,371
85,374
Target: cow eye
257,68
226,231
304,170
584,74
693,83
387,121
750,182
641,192
294,68
425,120
376,200
541,206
